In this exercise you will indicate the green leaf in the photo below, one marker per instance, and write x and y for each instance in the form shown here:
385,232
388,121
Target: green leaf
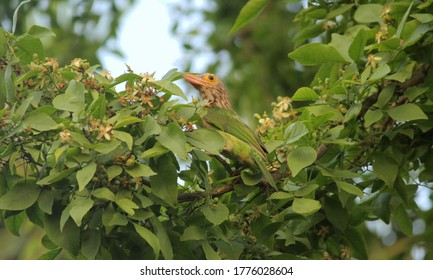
124,201
372,116
124,137
55,176
317,13
403,220
169,87
305,206
164,183
192,233
403,74
104,193
300,158
216,214
127,77
413,92
156,150
248,13
126,120
106,147
20,197
417,34
342,44
161,233
145,201
28,46
66,213
85,175
306,190
81,139
51,255
357,242
151,127
336,173
407,112
365,74
316,53
385,169
45,201
22,109
9,86
173,138
60,151
111,218
403,21
423,18
305,94
349,188
295,131
352,112
39,121
113,171
335,213
13,222
339,11
172,75
149,237
73,98
391,44
140,170
385,96
281,195
368,13
209,251
68,238
206,139
249,178
40,31
271,145
3,43
79,209
379,73
309,32
99,107
90,243
356,49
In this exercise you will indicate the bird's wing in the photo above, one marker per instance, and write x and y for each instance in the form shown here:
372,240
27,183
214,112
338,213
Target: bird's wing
229,122
247,153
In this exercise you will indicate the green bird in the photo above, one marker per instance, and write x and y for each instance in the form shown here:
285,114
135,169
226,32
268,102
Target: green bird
240,141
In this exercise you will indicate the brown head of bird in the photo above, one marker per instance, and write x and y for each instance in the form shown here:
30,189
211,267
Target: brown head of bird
211,89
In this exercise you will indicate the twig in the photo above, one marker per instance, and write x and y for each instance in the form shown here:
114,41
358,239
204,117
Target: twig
218,191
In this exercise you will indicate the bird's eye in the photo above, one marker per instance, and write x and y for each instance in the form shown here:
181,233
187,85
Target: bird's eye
211,77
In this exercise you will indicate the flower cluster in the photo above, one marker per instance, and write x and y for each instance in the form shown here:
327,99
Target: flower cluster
141,93
282,112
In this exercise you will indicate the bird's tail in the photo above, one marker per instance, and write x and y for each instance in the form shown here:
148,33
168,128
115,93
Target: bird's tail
246,153
263,166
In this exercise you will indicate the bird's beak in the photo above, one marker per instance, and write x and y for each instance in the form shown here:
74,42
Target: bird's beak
195,80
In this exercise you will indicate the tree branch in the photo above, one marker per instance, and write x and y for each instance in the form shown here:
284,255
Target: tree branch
416,79
183,197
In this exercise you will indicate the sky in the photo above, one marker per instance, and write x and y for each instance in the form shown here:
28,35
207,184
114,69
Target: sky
144,38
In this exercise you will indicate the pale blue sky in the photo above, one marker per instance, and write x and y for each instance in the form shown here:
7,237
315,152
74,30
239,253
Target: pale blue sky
144,37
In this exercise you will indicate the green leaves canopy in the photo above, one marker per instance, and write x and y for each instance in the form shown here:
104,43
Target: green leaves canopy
106,172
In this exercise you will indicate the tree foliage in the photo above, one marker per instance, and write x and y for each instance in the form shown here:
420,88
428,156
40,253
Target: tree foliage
122,168
82,27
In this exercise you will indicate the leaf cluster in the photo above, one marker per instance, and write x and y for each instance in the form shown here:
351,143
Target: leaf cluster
122,168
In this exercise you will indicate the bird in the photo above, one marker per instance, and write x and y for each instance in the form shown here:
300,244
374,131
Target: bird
240,141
